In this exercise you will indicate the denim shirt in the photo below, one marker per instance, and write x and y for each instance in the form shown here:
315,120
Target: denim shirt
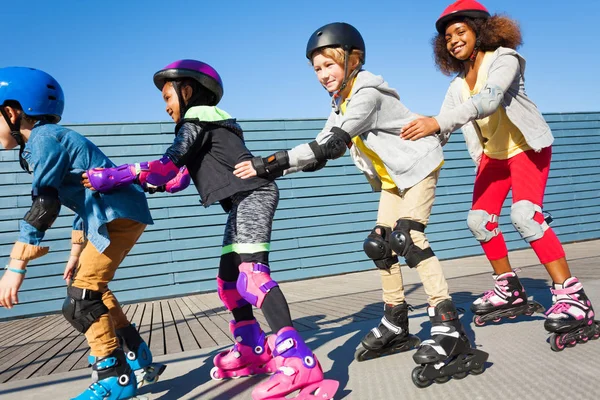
58,156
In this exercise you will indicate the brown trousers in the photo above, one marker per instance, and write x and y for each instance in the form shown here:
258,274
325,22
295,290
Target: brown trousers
94,272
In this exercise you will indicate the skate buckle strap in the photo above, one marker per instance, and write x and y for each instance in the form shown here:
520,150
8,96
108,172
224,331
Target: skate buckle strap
108,362
258,268
288,371
376,332
559,308
487,294
99,390
568,290
391,326
285,346
83,294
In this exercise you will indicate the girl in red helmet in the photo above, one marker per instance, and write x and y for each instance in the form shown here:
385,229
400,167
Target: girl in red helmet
511,144
209,143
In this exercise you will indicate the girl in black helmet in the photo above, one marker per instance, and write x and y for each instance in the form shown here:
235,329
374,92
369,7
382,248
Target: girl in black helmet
367,116
209,142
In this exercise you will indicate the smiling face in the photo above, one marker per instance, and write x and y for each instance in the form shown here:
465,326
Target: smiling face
460,40
172,101
329,73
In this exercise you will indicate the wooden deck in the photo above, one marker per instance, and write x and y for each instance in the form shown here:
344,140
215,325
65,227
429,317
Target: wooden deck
46,345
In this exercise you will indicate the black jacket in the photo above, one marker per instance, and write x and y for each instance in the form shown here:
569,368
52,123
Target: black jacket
210,151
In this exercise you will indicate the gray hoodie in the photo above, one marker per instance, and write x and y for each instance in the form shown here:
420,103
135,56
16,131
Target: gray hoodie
505,86
374,112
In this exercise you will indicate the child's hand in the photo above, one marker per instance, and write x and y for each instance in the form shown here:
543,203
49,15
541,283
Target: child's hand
9,288
244,170
70,268
419,128
85,180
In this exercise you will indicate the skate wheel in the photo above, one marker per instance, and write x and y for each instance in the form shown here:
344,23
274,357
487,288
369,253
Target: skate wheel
442,379
214,374
556,343
477,371
512,317
460,375
419,380
361,354
572,343
595,337
529,314
497,319
478,321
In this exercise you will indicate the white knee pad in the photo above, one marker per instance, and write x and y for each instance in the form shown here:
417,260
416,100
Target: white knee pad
477,221
521,214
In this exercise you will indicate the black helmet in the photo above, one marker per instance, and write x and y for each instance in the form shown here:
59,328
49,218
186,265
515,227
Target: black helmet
337,34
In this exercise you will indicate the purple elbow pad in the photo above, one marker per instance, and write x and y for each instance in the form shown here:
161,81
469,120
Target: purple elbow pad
158,172
106,179
180,182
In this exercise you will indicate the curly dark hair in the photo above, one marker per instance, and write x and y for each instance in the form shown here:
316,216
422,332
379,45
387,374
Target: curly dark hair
496,31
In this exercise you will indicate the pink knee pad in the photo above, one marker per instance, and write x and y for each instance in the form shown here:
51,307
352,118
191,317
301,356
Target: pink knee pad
229,294
254,282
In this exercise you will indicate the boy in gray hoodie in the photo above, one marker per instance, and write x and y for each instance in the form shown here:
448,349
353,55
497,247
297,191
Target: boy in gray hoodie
367,117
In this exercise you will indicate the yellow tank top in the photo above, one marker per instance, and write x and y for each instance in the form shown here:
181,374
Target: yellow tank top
500,138
386,180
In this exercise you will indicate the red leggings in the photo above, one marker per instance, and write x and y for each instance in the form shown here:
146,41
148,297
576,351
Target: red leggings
527,174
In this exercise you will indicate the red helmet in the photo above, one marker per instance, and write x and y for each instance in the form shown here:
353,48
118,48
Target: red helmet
461,8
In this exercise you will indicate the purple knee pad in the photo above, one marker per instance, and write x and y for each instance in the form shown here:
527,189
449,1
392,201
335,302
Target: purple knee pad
229,294
254,282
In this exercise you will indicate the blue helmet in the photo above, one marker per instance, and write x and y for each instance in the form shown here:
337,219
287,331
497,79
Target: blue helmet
38,93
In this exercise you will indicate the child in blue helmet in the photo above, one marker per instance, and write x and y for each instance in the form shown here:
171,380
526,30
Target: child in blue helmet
209,142
105,229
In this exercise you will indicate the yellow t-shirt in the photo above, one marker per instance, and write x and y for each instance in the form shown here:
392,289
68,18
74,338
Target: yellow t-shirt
386,180
501,139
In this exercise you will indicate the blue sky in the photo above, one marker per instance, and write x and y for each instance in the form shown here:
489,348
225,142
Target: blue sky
104,53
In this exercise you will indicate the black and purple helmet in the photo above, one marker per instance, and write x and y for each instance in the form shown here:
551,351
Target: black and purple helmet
201,72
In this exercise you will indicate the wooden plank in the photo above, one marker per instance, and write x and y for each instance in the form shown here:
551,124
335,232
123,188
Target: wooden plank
186,338
201,334
18,360
157,342
212,324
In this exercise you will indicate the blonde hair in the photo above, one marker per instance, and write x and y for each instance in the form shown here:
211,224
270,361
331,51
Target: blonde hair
338,55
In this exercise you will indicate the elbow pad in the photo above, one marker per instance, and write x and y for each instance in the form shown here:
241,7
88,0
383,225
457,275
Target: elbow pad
334,147
44,209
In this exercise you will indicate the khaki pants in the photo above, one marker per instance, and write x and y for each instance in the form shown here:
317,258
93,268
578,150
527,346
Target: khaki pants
94,272
415,204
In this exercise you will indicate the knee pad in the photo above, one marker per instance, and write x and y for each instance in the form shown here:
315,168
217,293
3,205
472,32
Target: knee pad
478,221
402,243
254,282
229,294
522,214
377,247
82,308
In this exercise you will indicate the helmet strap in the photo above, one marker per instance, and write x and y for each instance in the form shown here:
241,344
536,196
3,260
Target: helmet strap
473,56
15,131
